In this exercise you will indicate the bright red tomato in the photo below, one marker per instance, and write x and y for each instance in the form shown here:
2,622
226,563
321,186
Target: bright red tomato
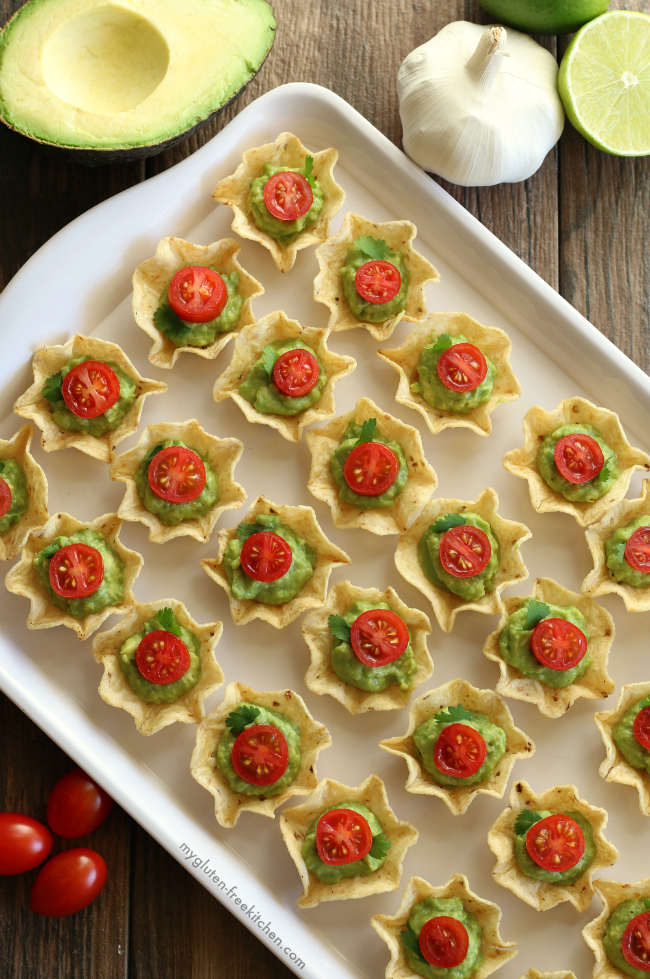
197,294
266,556
77,805
260,754
342,836
67,883
555,843
641,727
558,644
462,367
288,196
162,657
296,372
24,843
177,474
76,570
378,281
90,389
5,496
578,457
378,637
465,551
459,751
444,941
635,943
637,550
371,468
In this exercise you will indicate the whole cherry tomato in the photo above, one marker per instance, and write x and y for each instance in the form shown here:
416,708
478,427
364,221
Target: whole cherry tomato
77,805
67,883
24,843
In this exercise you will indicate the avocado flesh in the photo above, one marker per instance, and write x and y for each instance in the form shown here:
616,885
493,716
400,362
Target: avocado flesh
98,75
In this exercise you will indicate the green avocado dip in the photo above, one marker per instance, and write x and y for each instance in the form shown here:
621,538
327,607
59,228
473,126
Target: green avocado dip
263,393
161,693
183,333
623,734
469,589
105,422
515,648
174,513
244,587
111,590
587,492
349,668
14,476
354,435
437,394
283,231
448,907
361,308
426,736
259,715
333,873
619,568
531,869
612,940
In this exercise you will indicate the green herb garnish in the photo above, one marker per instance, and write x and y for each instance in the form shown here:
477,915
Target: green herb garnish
372,247
171,325
367,431
619,551
269,357
307,171
603,474
166,619
535,612
51,390
239,719
446,522
339,628
526,819
453,715
380,846
411,942
442,343
246,530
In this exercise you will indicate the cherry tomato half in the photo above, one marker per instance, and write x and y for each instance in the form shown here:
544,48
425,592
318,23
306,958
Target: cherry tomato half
444,941
296,372
635,943
5,496
77,805
459,751
465,551
558,644
288,195
637,550
197,294
76,570
24,843
162,657
67,883
378,637
90,389
176,474
555,843
260,754
371,468
462,367
342,836
578,457
641,727
378,281
266,556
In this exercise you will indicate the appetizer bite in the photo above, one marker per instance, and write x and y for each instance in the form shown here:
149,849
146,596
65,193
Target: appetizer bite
23,493
625,731
620,936
534,974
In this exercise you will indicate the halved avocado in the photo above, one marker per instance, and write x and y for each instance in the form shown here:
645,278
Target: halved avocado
130,78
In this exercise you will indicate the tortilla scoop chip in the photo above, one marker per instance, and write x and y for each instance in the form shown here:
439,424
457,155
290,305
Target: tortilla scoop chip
616,767
116,690
22,579
295,823
303,522
17,448
596,682
538,423
422,479
494,343
224,454
203,767
611,893
420,782
534,974
248,349
321,678
286,151
495,951
48,361
509,533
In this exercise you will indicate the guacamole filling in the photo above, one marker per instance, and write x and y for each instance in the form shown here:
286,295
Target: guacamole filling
448,907
469,589
425,738
111,590
283,231
161,693
174,513
438,395
618,922
353,436
259,715
623,734
333,873
14,476
244,587
515,647
349,668
263,393
619,568
361,308
531,869
105,422
587,492
183,333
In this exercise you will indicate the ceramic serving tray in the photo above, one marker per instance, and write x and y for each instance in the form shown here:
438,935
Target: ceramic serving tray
80,281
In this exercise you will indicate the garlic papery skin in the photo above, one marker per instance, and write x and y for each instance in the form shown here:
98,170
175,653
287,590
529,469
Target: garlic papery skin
479,106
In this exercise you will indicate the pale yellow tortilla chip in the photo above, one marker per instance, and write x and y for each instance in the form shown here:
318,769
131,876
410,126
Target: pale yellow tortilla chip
22,579
420,782
224,454
228,804
295,823
48,361
303,522
509,533
495,951
616,767
328,285
116,690
538,423
596,682
321,678
421,483
17,448
248,349
611,893
492,342
286,151
151,280
534,974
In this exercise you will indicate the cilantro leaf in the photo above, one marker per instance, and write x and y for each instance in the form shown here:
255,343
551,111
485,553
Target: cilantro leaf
643,703
339,628
239,719
454,715
603,475
447,521
535,612
166,619
367,431
442,343
526,819
51,390
246,530
380,846
2,466
373,248
411,942
308,171
619,552
269,357
171,325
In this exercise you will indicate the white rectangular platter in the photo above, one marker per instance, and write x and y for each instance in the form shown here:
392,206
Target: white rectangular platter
51,676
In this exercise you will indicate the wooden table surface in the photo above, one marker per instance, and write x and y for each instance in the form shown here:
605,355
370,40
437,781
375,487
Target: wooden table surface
581,222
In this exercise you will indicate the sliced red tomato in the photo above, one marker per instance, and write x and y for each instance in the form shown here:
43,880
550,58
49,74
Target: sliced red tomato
260,754
90,389
641,727
378,637
444,941
5,497
162,657
558,644
24,843
177,474
459,751
462,367
288,195
637,550
371,468
578,457
635,943
342,836
76,571
465,551
296,372
555,843
378,281
197,294
77,805
266,556
67,883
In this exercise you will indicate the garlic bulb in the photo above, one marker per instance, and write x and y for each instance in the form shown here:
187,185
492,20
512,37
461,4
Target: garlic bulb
479,106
